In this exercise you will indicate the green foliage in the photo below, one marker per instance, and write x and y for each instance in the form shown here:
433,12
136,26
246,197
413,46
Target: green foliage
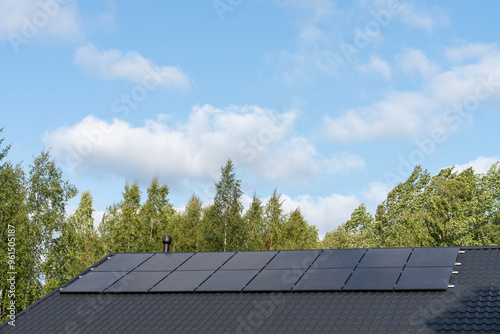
296,233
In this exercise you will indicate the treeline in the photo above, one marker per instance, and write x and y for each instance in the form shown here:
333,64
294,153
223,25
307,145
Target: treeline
52,246
448,209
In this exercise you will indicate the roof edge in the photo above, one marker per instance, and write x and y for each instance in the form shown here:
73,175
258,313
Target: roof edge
58,288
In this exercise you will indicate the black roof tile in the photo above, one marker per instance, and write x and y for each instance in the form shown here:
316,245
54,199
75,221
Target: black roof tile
473,305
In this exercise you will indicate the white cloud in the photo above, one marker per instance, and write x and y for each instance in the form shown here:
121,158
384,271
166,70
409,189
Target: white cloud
470,51
415,61
23,20
434,106
114,64
376,65
480,165
411,14
327,213
399,115
256,139
376,192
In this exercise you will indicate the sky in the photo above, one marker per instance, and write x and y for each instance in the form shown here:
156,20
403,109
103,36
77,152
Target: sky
331,103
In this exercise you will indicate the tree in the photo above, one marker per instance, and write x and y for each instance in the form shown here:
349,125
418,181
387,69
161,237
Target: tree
273,221
154,217
120,224
296,233
227,210
79,245
187,227
399,219
47,197
254,219
15,246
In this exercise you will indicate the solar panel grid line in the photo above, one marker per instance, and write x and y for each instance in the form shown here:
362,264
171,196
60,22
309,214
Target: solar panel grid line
180,265
307,269
261,269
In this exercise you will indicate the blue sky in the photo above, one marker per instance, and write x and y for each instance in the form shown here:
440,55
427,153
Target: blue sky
333,103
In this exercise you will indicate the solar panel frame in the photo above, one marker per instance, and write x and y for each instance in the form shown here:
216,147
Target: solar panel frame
323,279
93,282
123,262
275,280
182,281
385,258
433,257
137,281
164,262
338,258
228,280
422,278
370,279
249,260
206,261
293,259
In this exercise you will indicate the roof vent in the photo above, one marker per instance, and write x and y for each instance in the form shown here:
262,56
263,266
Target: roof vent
166,243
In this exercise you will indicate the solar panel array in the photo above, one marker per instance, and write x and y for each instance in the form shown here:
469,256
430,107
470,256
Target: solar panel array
294,270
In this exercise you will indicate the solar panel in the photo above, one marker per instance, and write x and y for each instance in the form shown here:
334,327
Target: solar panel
228,280
275,280
94,282
137,281
432,278
123,262
323,280
164,262
385,258
433,257
338,258
182,281
373,279
249,260
206,261
293,259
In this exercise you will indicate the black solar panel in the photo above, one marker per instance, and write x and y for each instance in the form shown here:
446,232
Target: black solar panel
137,281
206,261
182,281
228,280
275,280
293,259
297,270
432,278
249,260
433,257
385,258
123,262
94,281
373,279
339,258
323,280
164,262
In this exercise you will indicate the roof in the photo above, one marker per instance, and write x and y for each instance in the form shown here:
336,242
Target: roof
468,299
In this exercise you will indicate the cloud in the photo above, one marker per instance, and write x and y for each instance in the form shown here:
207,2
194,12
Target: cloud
376,65
114,64
23,20
399,115
327,213
415,61
444,96
376,192
470,51
413,15
257,139
480,165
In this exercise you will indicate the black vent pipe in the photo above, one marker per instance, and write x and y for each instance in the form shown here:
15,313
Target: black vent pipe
166,243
